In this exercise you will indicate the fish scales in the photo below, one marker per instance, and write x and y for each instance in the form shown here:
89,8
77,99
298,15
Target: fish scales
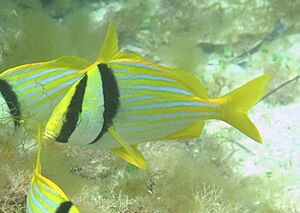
37,88
154,111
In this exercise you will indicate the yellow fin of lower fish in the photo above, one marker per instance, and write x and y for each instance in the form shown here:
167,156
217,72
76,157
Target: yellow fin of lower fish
130,153
43,194
238,103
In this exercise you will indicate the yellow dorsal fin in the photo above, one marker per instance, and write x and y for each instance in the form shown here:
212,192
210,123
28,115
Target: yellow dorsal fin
72,62
129,153
110,49
192,82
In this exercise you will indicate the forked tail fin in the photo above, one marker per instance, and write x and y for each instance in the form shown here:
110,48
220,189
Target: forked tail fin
239,102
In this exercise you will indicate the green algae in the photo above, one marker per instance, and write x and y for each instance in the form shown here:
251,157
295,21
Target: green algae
32,35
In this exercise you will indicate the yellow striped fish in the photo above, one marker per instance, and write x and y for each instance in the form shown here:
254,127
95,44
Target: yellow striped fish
29,93
44,195
123,100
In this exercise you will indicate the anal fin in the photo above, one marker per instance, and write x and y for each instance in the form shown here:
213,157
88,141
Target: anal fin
191,131
130,153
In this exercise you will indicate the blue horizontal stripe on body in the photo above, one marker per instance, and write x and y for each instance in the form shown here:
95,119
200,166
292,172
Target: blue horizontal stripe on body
170,115
53,205
53,192
43,82
159,127
36,202
119,70
41,73
30,95
45,106
50,190
43,96
173,104
28,207
137,64
146,77
55,77
49,92
16,72
174,90
137,98
27,87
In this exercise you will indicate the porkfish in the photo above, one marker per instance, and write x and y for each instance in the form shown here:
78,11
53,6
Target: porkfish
123,100
29,93
44,195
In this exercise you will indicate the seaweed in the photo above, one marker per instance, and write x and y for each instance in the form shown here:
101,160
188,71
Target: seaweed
33,35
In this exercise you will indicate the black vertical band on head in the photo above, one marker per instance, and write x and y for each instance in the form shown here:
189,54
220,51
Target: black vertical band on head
11,100
73,112
64,207
111,97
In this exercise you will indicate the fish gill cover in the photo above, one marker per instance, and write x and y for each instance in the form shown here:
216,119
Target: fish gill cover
224,44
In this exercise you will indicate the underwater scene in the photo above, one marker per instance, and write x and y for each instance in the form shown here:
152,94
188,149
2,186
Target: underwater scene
150,106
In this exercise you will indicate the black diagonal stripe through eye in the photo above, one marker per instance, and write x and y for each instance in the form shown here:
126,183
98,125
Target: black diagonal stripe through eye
11,100
111,96
73,112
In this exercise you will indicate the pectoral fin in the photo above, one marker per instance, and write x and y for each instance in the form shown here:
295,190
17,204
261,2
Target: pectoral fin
130,153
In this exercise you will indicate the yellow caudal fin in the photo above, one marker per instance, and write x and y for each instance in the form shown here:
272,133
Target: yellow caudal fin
110,49
238,103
